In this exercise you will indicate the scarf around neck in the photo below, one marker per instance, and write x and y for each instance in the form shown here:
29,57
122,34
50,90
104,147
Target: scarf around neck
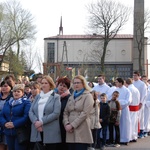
65,94
13,102
77,94
44,95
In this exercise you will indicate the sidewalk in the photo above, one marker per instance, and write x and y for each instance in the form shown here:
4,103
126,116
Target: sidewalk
141,144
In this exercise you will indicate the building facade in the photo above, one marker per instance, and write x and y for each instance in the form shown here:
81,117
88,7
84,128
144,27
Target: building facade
81,54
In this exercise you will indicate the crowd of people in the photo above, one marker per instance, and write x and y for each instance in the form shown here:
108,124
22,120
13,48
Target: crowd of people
73,114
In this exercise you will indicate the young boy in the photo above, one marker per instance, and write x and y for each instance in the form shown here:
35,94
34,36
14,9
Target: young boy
115,112
104,119
27,91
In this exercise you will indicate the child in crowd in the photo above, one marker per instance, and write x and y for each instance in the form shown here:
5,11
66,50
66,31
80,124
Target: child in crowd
27,91
115,112
104,119
94,118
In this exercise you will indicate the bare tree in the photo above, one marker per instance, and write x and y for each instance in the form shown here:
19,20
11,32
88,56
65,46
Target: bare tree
6,35
20,23
39,61
30,56
106,18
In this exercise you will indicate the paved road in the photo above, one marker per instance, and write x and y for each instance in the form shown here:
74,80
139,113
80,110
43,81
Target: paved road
141,144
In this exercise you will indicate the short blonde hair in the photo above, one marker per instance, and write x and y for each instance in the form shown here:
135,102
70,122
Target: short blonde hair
19,87
50,81
84,82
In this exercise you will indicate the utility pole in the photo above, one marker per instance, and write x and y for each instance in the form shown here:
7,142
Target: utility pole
65,52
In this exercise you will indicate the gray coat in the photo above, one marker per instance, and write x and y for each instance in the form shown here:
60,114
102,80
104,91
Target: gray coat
51,128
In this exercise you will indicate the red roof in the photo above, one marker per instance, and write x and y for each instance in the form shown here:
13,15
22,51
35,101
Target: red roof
118,36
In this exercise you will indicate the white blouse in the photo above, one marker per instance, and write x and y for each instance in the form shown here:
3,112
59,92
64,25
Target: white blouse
42,102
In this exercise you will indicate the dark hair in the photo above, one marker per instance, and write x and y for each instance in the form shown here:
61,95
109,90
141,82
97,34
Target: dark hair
101,75
103,94
39,75
116,92
5,82
10,76
35,85
91,83
65,81
136,72
27,85
143,76
120,80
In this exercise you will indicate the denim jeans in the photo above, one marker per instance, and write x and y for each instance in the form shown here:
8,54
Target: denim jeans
104,134
101,141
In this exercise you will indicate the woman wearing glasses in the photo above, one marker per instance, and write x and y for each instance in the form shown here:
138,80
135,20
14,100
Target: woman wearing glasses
76,116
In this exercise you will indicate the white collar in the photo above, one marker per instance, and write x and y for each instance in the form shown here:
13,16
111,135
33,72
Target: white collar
44,95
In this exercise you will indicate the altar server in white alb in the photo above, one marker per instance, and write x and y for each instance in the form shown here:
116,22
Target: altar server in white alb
125,98
111,91
141,86
147,115
102,87
146,108
134,109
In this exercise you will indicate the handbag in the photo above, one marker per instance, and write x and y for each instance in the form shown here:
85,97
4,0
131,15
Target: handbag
23,134
39,146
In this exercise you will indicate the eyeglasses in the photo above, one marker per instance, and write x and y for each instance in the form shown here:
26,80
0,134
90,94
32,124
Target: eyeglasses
77,82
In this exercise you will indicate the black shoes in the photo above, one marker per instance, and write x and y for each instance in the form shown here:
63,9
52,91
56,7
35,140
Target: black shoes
133,140
124,143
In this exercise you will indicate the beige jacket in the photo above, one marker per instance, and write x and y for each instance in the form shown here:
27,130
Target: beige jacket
77,114
94,116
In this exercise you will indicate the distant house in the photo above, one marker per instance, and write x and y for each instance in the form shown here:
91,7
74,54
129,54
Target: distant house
80,53
4,68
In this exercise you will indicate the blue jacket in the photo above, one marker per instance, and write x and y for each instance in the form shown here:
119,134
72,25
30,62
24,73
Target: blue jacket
17,114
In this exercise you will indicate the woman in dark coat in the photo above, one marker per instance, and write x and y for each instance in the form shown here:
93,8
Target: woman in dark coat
63,91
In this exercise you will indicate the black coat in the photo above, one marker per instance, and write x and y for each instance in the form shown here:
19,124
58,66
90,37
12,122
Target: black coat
104,113
62,145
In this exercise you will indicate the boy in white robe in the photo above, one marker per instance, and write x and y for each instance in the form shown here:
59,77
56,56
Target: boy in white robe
134,109
125,98
141,86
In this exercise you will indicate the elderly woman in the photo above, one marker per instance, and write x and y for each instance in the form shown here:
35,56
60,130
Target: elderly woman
76,116
63,90
44,115
14,115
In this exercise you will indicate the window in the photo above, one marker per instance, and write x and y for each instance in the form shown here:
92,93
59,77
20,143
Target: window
51,52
